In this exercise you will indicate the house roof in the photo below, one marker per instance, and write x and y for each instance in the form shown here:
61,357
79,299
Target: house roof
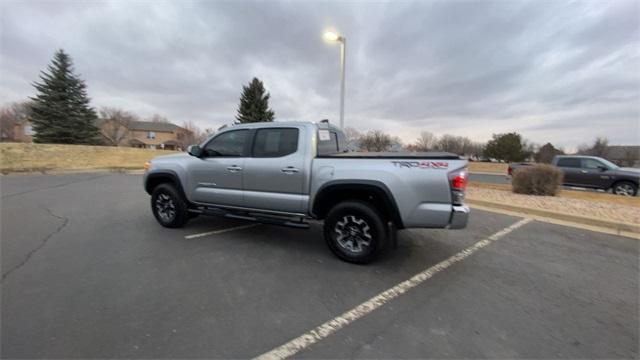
153,126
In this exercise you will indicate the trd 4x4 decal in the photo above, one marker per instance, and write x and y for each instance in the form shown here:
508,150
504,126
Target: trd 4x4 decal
421,164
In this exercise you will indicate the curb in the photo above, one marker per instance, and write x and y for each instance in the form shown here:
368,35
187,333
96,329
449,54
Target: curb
124,170
616,226
488,173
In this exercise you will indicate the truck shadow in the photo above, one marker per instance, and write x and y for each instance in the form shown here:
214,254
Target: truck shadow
415,251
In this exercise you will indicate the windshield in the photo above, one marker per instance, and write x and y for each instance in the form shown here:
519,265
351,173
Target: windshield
609,164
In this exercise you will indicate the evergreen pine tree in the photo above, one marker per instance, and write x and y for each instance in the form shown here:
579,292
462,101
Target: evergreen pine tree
61,111
254,104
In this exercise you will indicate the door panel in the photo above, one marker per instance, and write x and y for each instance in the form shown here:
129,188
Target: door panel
218,181
571,169
274,181
217,177
592,175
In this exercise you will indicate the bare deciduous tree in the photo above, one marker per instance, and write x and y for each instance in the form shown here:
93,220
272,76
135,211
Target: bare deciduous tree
396,144
7,126
353,138
599,148
426,142
115,124
631,155
158,118
195,135
375,141
12,115
454,144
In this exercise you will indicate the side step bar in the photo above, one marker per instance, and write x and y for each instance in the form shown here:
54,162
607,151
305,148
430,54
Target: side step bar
260,218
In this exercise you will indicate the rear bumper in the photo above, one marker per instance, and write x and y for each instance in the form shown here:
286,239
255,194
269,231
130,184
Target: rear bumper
459,217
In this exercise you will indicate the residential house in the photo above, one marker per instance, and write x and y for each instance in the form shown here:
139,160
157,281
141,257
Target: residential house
157,135
141,134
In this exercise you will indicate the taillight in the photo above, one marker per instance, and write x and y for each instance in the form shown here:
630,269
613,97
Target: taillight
458,180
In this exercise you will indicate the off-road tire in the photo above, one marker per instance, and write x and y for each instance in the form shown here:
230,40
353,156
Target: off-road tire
352,223
169,206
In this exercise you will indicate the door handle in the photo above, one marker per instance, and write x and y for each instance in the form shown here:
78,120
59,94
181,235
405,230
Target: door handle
584,171
234,168
289,170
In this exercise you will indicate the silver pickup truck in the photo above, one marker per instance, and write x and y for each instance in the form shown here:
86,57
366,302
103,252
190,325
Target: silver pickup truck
285,173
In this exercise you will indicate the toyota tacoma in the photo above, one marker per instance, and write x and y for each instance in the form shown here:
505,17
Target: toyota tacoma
286,173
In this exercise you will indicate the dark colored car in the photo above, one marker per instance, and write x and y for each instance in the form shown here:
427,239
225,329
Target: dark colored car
594,172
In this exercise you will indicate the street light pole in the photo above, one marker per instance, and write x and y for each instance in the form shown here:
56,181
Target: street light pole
343,54
334,37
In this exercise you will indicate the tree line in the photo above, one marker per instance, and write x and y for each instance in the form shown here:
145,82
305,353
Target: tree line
507,147
60,111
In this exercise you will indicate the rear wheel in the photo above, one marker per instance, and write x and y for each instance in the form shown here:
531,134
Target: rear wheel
355,231
625,188
168,206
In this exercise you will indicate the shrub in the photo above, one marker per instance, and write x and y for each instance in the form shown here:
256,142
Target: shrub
539,179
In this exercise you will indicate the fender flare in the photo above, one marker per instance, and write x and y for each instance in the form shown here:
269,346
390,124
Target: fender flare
377,187
162,176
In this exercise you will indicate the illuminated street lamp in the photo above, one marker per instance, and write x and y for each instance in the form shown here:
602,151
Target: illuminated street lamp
335,37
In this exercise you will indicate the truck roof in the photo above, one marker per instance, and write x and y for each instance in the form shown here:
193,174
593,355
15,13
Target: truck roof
320,125
578,156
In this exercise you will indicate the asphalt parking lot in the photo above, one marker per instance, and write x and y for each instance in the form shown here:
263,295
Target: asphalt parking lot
88,273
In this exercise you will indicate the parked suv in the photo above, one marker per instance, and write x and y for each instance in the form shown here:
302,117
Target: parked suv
594,172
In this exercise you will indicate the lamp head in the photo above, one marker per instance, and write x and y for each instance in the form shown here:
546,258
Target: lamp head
332,36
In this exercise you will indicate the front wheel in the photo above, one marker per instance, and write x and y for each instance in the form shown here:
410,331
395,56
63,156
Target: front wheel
625,188
168,206
355,232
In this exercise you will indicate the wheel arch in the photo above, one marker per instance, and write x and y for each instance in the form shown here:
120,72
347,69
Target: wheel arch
632,182
163,177
371,191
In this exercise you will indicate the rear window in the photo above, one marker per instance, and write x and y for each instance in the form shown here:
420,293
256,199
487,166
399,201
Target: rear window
275,142
327,142
569,162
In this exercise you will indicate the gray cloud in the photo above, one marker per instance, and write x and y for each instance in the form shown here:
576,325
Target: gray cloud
554,71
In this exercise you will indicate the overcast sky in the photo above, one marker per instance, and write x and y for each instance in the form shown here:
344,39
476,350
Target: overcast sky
554,71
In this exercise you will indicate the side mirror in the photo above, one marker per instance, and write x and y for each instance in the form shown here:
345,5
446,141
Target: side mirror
194,150
603,168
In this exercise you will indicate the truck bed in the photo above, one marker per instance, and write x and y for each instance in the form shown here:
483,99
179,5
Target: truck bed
393,155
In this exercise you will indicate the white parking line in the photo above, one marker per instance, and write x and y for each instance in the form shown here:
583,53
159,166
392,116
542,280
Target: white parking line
215,232
303,341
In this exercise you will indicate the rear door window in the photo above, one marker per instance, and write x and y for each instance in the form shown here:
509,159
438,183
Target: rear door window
591,164
276,142
569,162
327,142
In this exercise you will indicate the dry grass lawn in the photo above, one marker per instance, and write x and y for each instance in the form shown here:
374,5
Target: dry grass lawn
19,157
488,167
